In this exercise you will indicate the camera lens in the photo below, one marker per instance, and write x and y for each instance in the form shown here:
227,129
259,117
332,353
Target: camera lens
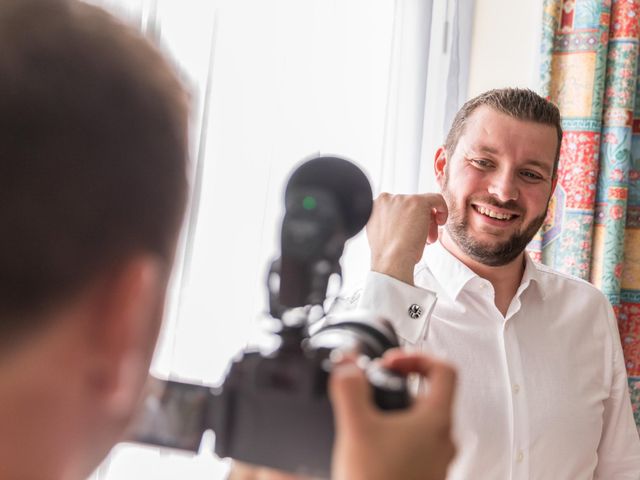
358,332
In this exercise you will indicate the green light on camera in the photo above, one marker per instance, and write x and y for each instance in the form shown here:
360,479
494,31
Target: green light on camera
309,203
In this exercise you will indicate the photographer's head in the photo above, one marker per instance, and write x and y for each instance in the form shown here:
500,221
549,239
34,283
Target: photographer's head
497,171
93,147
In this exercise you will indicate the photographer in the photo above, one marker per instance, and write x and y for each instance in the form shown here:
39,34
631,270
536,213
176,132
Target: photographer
93,126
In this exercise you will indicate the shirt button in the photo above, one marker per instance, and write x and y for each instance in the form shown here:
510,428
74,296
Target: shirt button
520,456
415,311
516,388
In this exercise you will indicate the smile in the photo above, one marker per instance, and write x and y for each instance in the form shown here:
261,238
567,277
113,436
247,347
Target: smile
493,214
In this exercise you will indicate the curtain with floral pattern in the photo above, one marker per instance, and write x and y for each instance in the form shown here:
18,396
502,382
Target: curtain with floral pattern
589,68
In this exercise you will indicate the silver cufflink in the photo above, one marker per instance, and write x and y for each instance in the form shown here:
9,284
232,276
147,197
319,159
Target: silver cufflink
415,311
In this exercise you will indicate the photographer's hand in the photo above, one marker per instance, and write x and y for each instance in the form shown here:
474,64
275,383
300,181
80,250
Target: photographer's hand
244,471
399,228
380,445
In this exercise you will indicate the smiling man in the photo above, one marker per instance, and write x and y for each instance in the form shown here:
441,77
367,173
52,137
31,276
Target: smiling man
542,383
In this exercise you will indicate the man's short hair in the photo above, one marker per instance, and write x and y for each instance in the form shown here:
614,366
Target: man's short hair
520,103
93,149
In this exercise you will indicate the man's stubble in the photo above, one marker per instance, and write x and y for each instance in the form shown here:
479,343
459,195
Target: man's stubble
491,254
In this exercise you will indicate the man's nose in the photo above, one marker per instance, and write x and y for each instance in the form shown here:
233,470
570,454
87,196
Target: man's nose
503,186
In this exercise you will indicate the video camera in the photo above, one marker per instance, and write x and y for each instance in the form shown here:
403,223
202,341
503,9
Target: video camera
273,408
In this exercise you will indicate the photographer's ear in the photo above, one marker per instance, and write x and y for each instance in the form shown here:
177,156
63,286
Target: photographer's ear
440,164
125,328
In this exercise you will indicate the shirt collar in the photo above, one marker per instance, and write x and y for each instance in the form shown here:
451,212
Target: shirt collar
450,272
453,275
531,276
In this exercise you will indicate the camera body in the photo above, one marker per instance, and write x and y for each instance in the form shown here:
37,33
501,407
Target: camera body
274,409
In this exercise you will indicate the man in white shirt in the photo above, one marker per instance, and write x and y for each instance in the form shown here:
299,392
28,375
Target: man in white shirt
93,187
542,382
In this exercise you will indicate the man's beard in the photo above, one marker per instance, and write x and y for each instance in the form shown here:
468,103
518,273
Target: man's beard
491,254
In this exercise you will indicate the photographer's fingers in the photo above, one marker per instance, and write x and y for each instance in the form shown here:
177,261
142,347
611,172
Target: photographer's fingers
441,376
245,471
350,395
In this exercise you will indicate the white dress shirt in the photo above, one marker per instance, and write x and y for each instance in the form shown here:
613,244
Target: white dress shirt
542,392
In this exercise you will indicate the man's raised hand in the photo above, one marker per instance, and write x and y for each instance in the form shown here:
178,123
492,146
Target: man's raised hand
399,228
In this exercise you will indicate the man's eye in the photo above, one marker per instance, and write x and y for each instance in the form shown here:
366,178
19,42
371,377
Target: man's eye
481,163
531,176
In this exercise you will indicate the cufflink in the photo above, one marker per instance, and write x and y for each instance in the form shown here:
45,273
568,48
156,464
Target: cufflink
415,311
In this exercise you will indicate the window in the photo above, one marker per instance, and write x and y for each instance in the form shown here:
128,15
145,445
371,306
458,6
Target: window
275,81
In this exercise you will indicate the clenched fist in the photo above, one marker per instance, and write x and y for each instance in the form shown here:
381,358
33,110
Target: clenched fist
399,228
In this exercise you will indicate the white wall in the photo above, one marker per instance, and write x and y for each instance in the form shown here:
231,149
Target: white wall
505,45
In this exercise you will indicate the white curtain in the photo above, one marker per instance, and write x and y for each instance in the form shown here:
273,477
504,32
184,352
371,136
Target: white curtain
275,81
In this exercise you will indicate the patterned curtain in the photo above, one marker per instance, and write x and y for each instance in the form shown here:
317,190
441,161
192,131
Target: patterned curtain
589,68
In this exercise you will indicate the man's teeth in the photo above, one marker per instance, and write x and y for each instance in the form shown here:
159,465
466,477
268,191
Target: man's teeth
492,214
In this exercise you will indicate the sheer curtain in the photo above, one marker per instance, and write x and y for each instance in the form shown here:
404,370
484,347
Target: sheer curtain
274,82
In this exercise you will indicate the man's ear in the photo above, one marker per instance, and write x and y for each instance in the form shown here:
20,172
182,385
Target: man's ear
439,164
124,329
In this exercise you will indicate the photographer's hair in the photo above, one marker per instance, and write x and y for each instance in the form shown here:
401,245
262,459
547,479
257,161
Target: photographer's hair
519,103
93,153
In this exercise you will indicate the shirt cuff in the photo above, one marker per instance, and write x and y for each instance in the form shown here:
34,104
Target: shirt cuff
408,308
